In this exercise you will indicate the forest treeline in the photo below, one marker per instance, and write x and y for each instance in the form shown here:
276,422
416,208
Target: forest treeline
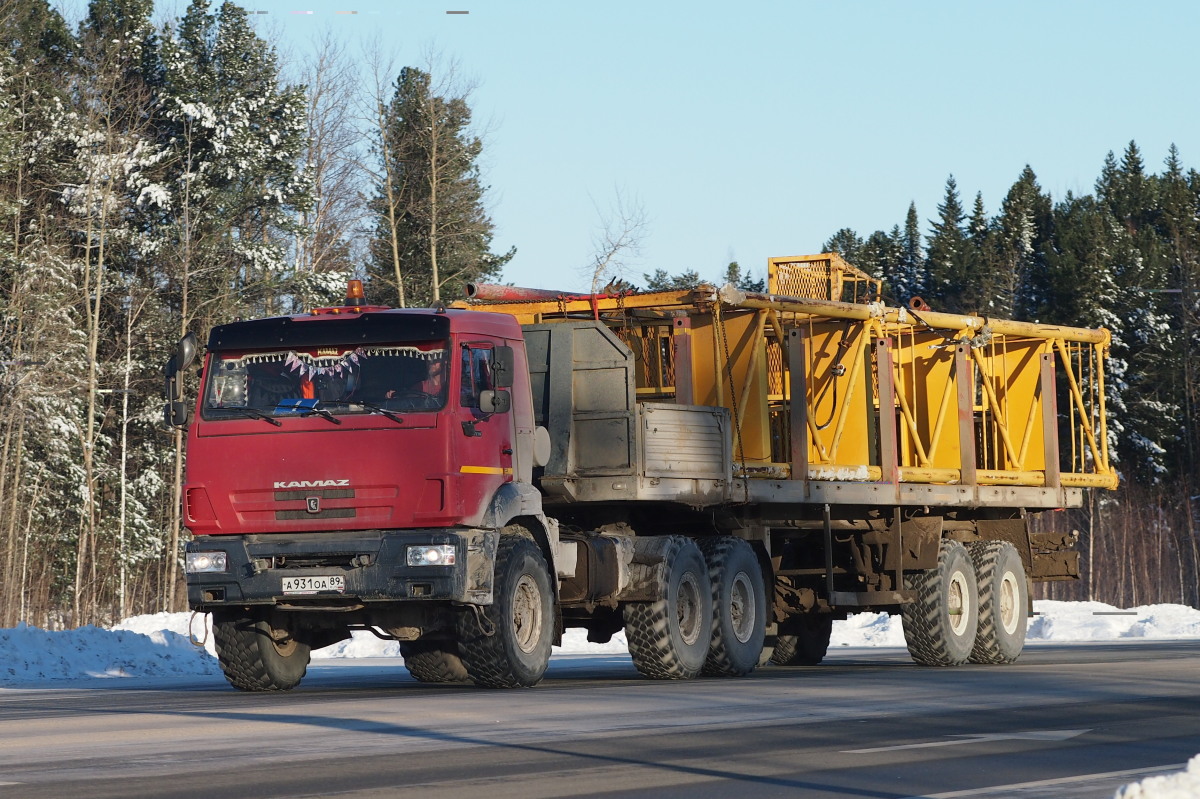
159,179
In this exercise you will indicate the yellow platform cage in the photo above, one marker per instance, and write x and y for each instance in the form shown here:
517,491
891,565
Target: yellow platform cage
826,382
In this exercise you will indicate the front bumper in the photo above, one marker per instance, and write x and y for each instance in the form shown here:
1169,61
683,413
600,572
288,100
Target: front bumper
372,563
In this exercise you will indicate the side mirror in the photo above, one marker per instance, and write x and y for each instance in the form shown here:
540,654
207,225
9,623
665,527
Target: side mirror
185,352
495,401
176,412
502,367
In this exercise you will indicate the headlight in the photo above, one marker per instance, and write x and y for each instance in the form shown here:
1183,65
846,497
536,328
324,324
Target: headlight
201,562
431,555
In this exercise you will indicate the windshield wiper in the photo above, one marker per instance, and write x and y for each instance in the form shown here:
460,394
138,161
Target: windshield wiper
324,414
253,413
369,406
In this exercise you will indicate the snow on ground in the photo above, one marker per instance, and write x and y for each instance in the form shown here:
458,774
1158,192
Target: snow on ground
180,644
1182,785
161,644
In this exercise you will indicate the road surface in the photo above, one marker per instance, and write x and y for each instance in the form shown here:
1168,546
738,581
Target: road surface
1066,721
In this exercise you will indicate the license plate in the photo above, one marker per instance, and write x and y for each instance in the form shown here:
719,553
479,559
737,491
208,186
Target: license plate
315,584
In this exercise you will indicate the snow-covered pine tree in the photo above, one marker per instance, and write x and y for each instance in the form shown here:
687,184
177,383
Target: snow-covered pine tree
1143,347
910,276
225,200
37,65
1179,209
947,253
234,177
105,133
1022,234
661,280
880,253
744,280
845,243
877,255
432,231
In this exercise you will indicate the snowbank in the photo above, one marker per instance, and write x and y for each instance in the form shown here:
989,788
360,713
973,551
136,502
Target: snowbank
1096,621
1184,785
31,655
159,645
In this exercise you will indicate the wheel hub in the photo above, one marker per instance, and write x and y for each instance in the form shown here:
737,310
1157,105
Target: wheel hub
687,609
741,610
958,603
1008,602
527,614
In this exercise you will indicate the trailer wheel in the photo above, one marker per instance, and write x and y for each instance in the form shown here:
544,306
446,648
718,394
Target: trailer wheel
803,639
507,644
739,607
669,638
253,659
940,624
433,661
1003,602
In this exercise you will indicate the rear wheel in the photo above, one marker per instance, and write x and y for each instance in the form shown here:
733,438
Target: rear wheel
739,607
940,624
669,638
256,656
434,661
1003,602
507,644
803,639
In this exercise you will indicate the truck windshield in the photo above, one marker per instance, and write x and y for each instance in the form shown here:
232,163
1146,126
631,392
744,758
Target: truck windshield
407,377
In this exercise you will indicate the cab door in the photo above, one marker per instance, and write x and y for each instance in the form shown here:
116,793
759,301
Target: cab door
483,438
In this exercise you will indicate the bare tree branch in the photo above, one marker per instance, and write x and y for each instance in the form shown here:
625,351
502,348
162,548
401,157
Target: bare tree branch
618,241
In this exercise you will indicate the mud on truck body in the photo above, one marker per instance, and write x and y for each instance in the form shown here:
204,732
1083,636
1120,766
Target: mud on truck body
720,474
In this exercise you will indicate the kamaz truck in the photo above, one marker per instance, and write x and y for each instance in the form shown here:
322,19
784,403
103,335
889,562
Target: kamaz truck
718,474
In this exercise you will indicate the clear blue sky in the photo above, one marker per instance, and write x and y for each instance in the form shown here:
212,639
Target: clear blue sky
756,129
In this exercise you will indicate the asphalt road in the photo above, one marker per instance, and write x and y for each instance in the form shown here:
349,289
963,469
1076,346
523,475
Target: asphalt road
1065,722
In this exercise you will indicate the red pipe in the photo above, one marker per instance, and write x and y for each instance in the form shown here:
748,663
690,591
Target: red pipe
488,291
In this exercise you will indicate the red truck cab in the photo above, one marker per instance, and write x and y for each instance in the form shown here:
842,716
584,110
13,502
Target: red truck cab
355,457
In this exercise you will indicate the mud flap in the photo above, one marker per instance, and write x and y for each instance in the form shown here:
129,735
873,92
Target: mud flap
647,571
481,565
1054,556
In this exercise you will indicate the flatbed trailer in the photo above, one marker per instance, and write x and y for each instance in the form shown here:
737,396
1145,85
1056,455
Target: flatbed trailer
863,435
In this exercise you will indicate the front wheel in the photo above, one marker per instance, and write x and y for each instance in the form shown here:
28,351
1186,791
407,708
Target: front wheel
507,644
256,656
433,661
669,638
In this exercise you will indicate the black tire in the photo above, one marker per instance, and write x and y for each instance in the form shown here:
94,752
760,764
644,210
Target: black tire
739,607
1003,602
769,640
507,644
253,660
940,624
669,638
802,639
434,661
